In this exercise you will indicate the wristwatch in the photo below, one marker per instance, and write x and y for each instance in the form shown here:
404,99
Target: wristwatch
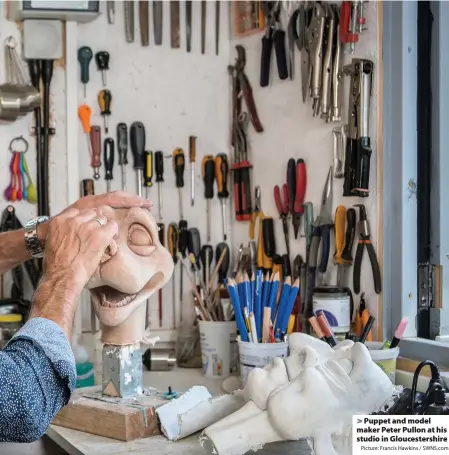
32,241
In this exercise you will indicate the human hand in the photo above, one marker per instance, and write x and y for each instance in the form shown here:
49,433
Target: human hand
76,242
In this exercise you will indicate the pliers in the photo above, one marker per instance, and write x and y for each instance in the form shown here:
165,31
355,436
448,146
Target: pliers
283,209
296,184
365,240
263,261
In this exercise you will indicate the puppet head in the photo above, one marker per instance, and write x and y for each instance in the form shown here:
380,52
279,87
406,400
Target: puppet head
133,268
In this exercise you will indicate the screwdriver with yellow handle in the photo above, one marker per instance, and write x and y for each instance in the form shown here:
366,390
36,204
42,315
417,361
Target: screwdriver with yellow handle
208,171
172,241
222,176
104,101
148,172
339,231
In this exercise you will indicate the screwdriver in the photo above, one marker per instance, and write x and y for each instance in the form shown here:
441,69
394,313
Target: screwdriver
206,256
159,164
108,158
183,239
122,146
84,57
269,244
148,172
172,240
84,113
161,234
95,140
102,61
222,176
194,247
339,231
192,154
224,267
104,101
137,138
346,255
178,167
208,171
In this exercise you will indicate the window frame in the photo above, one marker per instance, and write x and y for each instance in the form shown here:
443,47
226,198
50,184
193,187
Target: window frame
399,112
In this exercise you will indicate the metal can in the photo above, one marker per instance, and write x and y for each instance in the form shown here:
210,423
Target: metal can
335,302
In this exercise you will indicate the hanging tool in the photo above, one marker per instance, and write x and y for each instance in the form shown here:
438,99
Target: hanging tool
258,215
189,25
358,143
297,309
102,61
194,247
269,244
183,240
337,54
365,241
129,20
110,5
293,36
327,50
217,26
178,167
339,147
300,182
208,171
283,208
175,24
352,21
273,35
108,158
173,240
161,234
322,227
192,156
159,166
144,22
148,172
361,318
84,113
95,140
315,35
344,259
84,57
206,255
339,231
104,101
122,146
158,21
222,176
137,139
203,26
224,267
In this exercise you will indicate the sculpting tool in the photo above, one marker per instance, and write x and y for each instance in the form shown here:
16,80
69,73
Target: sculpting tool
157,21
189,25
144,23
183,236
222,264
194,247
159,165
192,156
367,329
129,21
203,26
233,294
172,240
317,329
206,255
217,26
161,234
174,20
398,334
122,148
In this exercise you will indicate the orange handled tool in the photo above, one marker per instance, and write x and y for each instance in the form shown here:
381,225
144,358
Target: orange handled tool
222,177
84,113
361,318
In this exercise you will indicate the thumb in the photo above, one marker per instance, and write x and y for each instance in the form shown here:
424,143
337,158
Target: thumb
108,231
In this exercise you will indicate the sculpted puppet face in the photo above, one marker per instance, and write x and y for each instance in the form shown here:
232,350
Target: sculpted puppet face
133,267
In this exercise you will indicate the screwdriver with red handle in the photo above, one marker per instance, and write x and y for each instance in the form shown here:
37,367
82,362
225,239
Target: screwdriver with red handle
300,191
95,140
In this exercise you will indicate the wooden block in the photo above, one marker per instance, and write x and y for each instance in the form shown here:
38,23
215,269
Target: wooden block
124,419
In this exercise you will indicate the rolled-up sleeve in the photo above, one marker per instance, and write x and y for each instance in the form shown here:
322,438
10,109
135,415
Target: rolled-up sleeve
37,376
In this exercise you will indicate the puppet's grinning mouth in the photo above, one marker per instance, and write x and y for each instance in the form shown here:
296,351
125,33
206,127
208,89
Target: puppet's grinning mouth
110,297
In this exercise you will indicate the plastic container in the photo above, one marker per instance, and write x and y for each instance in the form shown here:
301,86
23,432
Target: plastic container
218,348
85,376
336,303
254,355
10,324
385,358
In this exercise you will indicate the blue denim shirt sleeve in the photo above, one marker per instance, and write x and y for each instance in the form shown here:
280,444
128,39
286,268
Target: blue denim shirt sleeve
37,376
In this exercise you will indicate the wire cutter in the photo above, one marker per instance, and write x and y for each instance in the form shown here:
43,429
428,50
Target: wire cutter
296,184
283,209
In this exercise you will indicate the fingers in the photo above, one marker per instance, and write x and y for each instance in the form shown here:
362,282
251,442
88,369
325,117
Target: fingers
114,199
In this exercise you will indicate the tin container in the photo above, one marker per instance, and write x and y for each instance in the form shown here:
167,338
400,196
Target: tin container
335,302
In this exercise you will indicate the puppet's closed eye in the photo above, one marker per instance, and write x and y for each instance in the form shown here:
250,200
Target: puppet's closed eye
140,240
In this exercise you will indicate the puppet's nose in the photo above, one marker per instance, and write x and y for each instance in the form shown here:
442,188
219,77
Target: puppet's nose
110,251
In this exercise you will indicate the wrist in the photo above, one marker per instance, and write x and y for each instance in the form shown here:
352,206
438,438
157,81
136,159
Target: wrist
42,230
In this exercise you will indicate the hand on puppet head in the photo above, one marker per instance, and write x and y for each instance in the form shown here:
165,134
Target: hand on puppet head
134,267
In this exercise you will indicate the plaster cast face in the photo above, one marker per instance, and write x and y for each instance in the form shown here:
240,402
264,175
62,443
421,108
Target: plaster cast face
133,268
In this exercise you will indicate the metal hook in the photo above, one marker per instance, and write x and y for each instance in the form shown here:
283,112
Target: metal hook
18,139
11,42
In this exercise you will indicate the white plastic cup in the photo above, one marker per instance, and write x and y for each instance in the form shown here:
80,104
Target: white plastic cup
385,358
254,355
218,348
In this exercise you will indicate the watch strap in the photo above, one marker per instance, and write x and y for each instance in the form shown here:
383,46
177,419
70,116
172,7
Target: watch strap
32,241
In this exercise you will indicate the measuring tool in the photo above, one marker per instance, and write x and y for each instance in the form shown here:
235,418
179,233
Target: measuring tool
208,171
108,158
222,176
84,112
137,138
122,147
102,61
148,172
84,57
159,165
173,240
192,155
161,234
178,167
104,101
183,240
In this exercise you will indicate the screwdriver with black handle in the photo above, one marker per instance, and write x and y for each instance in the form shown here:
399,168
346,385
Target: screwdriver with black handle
137,139
222,176
208,171
161,234
84,58
104,101
178,167
102,61
192,156
224,266
269,244
159,165
122,148
108,158
194,247
148,172
183,240
172,240
206,255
